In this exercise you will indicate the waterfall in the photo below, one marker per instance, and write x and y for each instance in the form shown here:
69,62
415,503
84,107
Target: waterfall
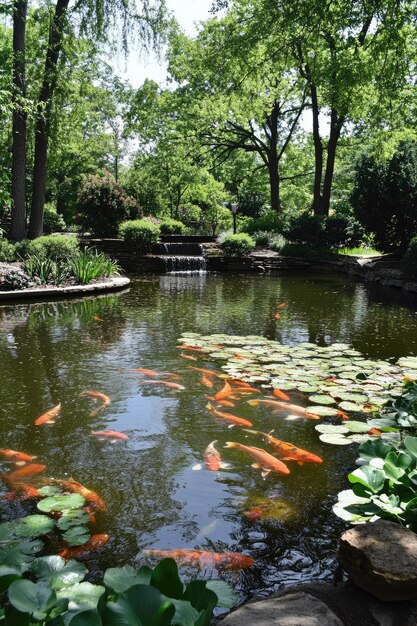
182,257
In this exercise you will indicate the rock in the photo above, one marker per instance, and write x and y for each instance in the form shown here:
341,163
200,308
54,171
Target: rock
381,557
293,609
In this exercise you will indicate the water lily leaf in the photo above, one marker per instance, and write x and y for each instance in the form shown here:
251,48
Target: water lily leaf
411,445
357,427
19,552
50,490
381,423
57,572
33,598
77,535
7,576
121,579
351,407
29,526
359,438
226,595
356,398
374,448
322,411
73,517
335,439
331,429
165,578
321,399
61,503
369,477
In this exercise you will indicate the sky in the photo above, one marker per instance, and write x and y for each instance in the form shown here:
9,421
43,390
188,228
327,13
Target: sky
135,69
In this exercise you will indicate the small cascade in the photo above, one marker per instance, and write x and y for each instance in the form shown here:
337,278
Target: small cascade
182,258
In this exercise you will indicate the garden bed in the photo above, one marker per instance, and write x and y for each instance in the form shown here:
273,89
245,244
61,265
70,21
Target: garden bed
48,291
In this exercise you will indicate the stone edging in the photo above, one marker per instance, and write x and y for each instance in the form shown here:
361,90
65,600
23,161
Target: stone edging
111,284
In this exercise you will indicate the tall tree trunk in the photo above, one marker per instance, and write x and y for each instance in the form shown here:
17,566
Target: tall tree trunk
273,158
43,119
318,153
18,226
336,124
274,185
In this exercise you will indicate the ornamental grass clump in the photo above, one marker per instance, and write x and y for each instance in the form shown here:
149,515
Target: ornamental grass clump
89,265
237,245
140,234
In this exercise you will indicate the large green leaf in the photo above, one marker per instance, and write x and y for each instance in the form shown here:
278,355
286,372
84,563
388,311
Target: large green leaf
74,517
77,535
7,576
89,617
374,448
29,526
61,503
369,477
226,595
120,579
82,595
58,572
20,552
166,579
411,445
34,598
147,605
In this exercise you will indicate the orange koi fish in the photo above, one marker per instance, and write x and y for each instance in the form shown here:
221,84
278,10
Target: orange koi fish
342,415
109,434
25,472
225,403
188,357
245,390
288,451
217,346
166,383
283,406
223,393
228,417
22,490
145,372
48,417
330,380
97,396
95,542
90,496
17,457
204,380
96,318
282,306
375,431
212,459
263,460
203,371
277,316
254,514
191,348
223,560
238,357
277,393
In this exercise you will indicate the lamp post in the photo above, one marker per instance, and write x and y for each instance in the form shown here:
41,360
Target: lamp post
233,207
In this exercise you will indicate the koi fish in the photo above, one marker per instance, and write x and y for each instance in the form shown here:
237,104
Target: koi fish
188,357
90,496
282,306
277,316
48,417
245,390
191,348
19,458
95,542
228,417
283,406
203,371
277,393
343,415
145,372
206,382
166,383
96,318
223,393
330,380
225,403
25,472
22,490
236,382
254,514
109,434
375,431
223,560
263,460
288,451
97,396
212,459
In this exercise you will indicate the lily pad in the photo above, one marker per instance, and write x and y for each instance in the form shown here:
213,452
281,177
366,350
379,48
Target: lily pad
322,399
357,427
322,411
77,536
331,429
58,572
351,406
335,439
61,503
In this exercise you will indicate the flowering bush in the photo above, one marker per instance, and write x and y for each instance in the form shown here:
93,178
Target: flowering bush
12,278
103,205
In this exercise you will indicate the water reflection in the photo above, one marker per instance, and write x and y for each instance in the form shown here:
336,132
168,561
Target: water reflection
51,352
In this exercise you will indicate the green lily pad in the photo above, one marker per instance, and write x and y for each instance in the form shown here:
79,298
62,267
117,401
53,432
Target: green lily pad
322,399
357,427
61,503
330,429
58,572
335,439
356,398
77,535
351,406
322,411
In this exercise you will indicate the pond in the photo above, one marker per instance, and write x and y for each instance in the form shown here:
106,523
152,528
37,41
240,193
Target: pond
51,352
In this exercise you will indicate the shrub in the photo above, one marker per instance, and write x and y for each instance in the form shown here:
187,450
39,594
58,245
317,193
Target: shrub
409,260
140,234
169,226
52,221
343,231
277,243
7,251
12,278
269,221
103,205
55,247
305,229
262,237
385,197
324,232
250,203
238,245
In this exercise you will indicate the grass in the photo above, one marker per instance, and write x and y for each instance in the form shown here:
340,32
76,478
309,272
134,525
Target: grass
359,251
292,249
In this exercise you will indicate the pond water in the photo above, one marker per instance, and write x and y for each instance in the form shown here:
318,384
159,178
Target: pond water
51,352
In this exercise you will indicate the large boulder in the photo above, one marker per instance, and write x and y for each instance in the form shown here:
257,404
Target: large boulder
381,557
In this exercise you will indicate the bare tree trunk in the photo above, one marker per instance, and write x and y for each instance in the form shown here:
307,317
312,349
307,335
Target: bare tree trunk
43,119
18,226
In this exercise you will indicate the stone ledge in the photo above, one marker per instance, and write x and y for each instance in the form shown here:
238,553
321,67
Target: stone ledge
111,284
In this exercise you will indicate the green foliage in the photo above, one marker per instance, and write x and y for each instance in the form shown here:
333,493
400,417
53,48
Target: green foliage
88,265
7,251
140,234
262,238
385,197
323,232
168,226
52,221
269,221
409,260
250,203
53,247
103,205
237,245
46,270
277,243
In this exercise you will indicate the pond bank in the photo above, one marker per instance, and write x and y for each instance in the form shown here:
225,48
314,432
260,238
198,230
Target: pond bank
109,284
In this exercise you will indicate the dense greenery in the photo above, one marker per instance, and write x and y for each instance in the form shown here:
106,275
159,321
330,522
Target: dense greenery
237,245
140,234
